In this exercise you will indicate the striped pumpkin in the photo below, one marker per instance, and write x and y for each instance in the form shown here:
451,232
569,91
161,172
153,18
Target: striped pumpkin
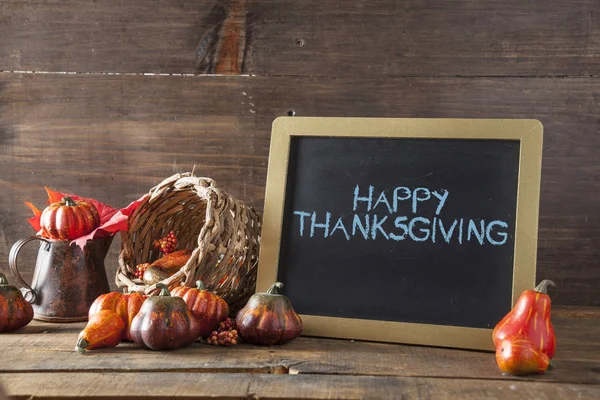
68,219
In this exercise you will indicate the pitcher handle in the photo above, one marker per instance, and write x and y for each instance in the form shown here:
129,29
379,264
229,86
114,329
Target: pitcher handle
28,293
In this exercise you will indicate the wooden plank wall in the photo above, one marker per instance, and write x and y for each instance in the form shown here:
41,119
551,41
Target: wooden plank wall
105,98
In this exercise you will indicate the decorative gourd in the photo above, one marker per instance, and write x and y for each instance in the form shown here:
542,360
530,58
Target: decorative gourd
125,305
166,266
268,318
104,329
208,308
516,355
15,312
164,322
68,219
530,317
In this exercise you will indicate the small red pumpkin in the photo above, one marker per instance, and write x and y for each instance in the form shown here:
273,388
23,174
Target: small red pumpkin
68,219
268,318
208,308
125,305
15,312
164,322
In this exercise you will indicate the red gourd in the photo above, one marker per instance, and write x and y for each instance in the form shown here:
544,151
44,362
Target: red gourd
516,355
530,317
208,308
15,312
68,219
125,305
164,322
268,318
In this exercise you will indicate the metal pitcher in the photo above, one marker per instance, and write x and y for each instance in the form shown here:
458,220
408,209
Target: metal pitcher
66,279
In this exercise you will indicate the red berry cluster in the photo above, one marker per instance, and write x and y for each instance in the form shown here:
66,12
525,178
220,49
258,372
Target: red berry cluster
226,335
167,244
140,269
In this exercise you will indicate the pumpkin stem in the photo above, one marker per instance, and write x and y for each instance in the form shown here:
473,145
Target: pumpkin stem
81,345
164,289
543,286
69,201
200,285
3,280
275,288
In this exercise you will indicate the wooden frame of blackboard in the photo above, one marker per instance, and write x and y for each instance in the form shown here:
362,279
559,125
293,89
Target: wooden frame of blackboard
527,132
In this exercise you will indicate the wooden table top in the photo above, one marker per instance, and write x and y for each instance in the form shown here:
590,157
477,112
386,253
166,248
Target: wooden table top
39,361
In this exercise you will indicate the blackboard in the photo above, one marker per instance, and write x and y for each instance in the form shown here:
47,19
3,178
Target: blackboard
411,230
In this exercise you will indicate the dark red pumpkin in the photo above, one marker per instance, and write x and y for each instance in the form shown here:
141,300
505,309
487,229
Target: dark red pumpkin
15,312
125,305
268,318
69,219
164,322
208,308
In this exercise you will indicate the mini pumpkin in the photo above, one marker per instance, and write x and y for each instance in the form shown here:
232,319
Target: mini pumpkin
69,219
164,322
208,308
268,318
15,312
125,305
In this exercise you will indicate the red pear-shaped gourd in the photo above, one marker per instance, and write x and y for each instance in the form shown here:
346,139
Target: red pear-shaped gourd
530,317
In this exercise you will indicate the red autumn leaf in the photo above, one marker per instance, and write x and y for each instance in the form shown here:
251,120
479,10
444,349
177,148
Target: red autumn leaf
117,222
53,197
35,220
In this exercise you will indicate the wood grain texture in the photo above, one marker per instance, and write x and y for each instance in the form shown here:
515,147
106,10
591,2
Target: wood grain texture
247,386
114,137
308,38
48,348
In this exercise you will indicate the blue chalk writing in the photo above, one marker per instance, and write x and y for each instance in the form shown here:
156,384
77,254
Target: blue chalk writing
447,234
387,224
407,193
368,199
473,229
313,224
383,199
398,224
340,225
302,214
364,229
417,199
442,198
503,235
411,227
377,227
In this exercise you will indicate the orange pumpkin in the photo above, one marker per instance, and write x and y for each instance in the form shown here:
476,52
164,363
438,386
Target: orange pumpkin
68,219
125,306
15,312
208,308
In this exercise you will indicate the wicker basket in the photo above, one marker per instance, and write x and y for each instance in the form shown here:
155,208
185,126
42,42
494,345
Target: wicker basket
222,231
